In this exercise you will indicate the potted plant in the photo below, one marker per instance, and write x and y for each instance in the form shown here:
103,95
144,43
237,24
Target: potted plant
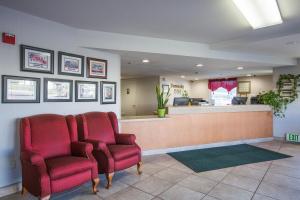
274,99
162,100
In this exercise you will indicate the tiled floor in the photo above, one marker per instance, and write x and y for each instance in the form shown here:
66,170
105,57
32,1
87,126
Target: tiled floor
165,178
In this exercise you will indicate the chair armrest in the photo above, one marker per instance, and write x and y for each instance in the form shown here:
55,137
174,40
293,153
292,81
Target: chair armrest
32,158
82,149
99,146
123,138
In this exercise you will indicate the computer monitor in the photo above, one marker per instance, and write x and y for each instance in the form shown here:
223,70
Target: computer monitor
197,101
239,100
181,101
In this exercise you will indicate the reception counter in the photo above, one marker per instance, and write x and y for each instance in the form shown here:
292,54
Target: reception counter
192,127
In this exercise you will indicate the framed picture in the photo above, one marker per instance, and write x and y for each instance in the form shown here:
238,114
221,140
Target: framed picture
17,89
244,87
165,88
86,91
35,59
96,68
70,64
108,92
58,90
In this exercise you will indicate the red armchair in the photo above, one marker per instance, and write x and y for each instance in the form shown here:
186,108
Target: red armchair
112,150
52,158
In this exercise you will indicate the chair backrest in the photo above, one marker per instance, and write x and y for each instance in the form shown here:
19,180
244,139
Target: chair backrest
96,126
48,134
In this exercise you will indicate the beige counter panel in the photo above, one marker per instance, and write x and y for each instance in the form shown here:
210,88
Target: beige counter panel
179,110
200,128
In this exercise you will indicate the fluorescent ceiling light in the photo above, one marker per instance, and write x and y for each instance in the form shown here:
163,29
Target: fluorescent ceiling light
249,75
145,61
199,65
182,76
240,68
260,13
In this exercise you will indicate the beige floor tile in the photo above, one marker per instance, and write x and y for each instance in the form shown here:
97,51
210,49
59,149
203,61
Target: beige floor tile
116,187
215,175
181,193
278,192
152,168
288,162
209,198
130,178
261,197
171,175
182,167
287,171
198,184
153,185
243,182
282,180
248,172
130,193
228,192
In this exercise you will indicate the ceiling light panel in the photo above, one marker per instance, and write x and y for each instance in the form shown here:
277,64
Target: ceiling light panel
260,13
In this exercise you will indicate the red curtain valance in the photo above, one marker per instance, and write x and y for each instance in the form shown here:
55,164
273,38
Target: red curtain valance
228,84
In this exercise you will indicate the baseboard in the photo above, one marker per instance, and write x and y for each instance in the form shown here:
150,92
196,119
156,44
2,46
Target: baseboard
11,189
203,146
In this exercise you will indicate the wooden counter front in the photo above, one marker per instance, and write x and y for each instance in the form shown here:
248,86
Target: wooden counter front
200,128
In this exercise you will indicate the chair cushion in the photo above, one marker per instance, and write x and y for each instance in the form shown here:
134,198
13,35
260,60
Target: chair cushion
120,152
67,165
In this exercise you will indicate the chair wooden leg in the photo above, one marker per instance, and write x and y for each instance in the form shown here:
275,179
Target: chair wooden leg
139,168
45,198
23,191
95,182
109,177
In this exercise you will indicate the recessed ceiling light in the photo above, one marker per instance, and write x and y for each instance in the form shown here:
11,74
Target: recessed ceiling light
182,76
259,13
240,68
249,75
196,79
145,61
199,65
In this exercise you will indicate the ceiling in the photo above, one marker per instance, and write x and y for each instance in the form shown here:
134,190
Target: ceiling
215,22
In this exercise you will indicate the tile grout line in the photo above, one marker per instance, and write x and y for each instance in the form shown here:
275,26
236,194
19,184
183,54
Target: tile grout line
255,192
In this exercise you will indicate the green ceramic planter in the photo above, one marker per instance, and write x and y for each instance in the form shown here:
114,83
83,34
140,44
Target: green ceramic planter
161,112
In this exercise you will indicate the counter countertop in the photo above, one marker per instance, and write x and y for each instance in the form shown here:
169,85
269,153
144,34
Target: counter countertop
179,110
141,118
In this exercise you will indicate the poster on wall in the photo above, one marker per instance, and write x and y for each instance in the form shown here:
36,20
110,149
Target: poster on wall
108,92
86,91
70,64
58,90
17,89
96,68
34,59
244,87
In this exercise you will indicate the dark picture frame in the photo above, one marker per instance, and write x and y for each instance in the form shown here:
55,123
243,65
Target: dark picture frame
34,59
72,61
85,99
108,92
96,68
55,90
24,90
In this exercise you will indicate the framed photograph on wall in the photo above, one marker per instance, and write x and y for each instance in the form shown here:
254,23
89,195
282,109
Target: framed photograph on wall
96,68
108,92
244,87
86,91
165,88
58,90
34,59
16,89
70,64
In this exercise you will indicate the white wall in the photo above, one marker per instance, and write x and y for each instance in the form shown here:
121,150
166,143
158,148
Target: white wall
258,84
142,98
45,34
168,80
292,115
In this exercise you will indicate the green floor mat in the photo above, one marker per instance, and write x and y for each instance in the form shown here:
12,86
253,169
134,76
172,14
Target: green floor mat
202,160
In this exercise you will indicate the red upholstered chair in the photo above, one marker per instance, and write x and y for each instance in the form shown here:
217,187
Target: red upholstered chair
112,150
52,158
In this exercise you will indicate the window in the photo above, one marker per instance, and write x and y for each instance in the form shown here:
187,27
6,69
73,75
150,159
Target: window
222,97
